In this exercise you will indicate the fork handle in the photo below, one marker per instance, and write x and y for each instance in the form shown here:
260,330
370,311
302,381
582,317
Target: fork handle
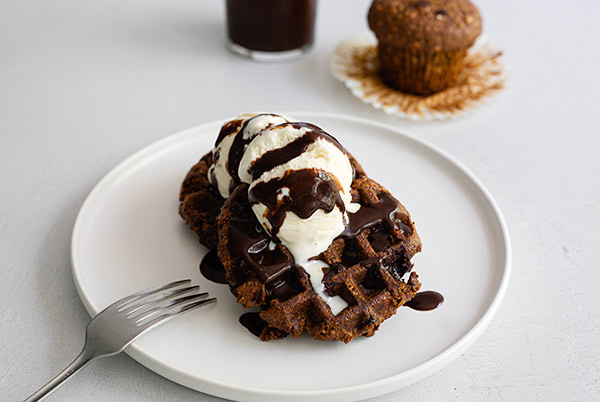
80,362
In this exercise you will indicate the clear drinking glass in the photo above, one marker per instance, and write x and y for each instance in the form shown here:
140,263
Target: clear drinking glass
270,30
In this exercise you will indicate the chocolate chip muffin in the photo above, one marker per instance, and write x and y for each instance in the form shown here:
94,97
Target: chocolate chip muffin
422,44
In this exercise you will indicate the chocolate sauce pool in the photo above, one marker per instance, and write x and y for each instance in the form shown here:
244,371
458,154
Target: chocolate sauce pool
425,301
253,323
212,268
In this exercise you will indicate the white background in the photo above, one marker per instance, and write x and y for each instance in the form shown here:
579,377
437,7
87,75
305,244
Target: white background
85,84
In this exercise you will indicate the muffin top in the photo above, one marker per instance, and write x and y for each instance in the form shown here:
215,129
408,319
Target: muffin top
438,25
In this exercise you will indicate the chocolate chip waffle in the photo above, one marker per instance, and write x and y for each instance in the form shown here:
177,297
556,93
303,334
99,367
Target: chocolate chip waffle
338,269
367,264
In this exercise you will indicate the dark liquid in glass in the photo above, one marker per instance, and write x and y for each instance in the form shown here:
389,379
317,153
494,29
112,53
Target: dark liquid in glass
271,25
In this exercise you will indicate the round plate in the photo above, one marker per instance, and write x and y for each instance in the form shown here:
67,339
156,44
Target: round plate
129,236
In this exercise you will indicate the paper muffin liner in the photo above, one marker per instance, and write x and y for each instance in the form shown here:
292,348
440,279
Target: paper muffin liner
420,72
356,64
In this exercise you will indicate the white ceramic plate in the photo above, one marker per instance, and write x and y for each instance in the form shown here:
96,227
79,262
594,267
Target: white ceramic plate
128,236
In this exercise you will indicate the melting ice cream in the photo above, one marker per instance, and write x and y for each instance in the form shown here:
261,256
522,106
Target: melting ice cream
299,181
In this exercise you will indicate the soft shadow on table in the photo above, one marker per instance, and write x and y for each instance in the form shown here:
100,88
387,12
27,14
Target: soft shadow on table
62,327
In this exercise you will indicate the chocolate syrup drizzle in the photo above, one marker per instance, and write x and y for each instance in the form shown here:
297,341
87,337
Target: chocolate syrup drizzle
309,190
279,156
253,258
249,246
228,128
382,215
238,147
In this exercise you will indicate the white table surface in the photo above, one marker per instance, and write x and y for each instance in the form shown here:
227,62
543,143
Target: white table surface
85,84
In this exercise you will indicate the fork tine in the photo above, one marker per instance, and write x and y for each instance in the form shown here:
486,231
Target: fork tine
137,307
168,305
175,313
120,304
165,302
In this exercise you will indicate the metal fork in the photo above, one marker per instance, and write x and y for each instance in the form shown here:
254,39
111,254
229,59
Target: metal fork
119,324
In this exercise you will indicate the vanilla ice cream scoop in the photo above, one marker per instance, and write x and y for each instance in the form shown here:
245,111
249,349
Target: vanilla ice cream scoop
299,180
